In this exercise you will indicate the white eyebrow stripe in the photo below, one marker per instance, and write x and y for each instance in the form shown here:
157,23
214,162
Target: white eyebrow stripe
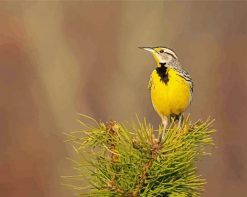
170,52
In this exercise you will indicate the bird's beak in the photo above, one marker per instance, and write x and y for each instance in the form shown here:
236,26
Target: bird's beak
150,49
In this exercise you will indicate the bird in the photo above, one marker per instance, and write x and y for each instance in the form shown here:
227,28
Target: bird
170,85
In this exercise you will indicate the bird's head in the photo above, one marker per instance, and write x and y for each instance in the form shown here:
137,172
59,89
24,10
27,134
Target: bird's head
162,55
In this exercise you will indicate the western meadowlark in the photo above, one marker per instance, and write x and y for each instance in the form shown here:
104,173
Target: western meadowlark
171,86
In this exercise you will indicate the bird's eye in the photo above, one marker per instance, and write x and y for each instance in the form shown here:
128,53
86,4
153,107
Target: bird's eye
161,51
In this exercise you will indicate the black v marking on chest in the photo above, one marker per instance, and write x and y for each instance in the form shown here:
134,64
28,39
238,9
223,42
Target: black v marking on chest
162,72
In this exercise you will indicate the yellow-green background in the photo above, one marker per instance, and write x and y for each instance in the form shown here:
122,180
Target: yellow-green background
60,58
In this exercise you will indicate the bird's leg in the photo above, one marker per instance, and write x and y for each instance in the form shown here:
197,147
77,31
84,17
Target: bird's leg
165,123
180,120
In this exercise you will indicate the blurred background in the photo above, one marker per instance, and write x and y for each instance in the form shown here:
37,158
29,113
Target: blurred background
60,58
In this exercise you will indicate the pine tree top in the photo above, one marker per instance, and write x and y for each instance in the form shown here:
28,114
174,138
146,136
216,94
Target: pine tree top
119,160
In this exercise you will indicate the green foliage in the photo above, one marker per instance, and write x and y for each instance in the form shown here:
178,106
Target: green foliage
117,160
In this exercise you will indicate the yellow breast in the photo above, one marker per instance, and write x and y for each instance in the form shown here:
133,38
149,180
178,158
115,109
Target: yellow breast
172,97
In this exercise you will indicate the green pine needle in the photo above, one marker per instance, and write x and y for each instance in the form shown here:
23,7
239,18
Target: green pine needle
117,160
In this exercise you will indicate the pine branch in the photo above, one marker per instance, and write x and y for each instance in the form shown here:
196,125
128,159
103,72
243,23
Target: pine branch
155,146
128,161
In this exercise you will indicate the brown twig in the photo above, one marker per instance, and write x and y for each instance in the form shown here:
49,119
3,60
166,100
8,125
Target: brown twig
112,129
155,147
